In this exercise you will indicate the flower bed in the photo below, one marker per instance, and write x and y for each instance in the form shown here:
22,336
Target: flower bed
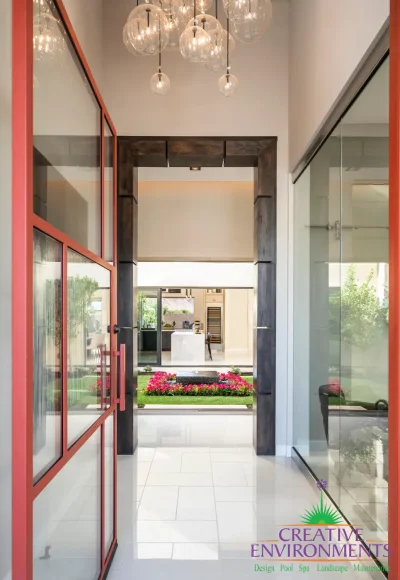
228,385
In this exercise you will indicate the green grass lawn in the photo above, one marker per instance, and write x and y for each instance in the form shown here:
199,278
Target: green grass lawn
188,400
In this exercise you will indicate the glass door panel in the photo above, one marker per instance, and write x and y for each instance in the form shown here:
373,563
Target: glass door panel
66,519
109,483
47,337
88,348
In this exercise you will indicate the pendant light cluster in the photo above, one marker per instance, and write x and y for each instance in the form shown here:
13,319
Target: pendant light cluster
200,37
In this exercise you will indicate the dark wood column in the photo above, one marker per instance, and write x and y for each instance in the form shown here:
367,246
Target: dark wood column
127,266
265,301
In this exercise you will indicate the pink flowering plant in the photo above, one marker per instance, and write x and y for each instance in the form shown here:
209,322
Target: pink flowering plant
228,384
96,389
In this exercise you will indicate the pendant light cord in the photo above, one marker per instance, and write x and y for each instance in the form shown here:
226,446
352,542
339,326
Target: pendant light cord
159,49
227,46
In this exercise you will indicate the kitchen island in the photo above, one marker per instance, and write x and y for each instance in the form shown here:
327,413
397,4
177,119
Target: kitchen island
187,347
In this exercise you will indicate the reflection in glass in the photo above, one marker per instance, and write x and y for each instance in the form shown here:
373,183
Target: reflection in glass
47,332
341,312
66,151
66,519
108,193
109,482
89,377
147,326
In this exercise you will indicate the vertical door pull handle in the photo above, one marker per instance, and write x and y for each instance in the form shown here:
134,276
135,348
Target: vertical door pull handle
122,374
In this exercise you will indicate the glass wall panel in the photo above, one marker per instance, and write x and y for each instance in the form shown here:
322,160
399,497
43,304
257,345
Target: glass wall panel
109,482
108,193
66,519
362,467
66,134
341,313
47,332
316,331
89,384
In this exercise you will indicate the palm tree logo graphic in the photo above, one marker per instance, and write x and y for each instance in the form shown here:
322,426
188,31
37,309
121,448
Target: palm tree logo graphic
321,514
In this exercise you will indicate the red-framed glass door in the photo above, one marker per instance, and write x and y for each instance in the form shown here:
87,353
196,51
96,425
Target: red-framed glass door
65,358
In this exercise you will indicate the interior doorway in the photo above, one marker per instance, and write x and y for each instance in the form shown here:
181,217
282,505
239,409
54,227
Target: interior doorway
134,155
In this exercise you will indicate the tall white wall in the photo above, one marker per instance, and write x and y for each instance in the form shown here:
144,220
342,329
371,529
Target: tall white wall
327,42
196,221
5,291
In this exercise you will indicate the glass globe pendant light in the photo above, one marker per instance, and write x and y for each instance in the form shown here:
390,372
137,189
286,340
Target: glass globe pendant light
194,42
159,82
228,83
48,40
250,18
146,25
165,5
214,30
217,60
182,11
127,42
204,5
174,32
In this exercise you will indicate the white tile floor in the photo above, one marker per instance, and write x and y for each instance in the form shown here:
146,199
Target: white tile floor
195,496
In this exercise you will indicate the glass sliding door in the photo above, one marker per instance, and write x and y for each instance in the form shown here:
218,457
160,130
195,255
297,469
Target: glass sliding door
149,326
341,313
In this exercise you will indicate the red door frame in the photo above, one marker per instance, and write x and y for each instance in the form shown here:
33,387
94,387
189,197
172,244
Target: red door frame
394,290
23,223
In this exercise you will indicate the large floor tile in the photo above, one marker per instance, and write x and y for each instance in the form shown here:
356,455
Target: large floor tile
170,464
195,551
180,532
228,474
141,472
228,493
145,453
196,463
236,522
180,479
158,503
238,457
196,503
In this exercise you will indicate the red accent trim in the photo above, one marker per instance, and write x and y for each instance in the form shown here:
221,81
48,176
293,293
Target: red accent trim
102,495
57,467
110,551
67,22
22,292
115,173
115,478
394,289
47,228
102,193
64,349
